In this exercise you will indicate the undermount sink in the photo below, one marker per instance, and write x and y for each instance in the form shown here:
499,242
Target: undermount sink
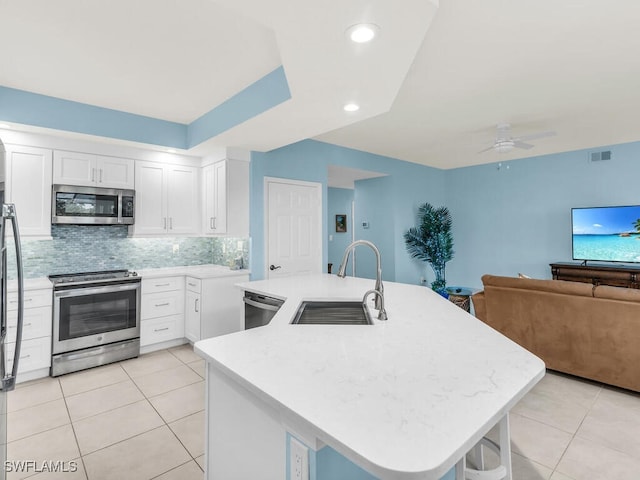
332,313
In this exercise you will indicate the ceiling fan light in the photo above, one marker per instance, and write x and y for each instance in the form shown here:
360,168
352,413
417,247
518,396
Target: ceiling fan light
503,146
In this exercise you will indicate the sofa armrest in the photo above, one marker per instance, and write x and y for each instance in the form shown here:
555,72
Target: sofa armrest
480,306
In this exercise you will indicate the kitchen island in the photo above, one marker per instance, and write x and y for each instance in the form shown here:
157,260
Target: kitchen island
405,398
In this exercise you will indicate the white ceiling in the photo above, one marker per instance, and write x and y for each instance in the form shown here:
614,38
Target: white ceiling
345,177
432,86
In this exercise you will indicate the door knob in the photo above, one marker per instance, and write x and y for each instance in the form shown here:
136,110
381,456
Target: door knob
274,267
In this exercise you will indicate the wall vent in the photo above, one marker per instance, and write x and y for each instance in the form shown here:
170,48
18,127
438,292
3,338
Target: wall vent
600,156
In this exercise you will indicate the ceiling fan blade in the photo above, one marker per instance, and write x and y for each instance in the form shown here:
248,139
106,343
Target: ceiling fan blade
526,146
533,136
486,149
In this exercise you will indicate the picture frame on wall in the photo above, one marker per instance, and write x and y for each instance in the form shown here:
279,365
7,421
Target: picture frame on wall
341,223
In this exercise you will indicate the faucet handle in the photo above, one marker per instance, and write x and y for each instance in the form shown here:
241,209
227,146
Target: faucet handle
382,313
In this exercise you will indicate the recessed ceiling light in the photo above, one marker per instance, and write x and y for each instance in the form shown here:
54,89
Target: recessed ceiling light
362,32
351,107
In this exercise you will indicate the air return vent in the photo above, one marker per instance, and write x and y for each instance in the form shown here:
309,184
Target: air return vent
600,156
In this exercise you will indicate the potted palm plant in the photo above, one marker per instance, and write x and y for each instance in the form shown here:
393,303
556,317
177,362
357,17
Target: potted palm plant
431,241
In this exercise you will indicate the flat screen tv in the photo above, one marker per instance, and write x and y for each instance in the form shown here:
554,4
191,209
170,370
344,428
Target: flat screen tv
607,234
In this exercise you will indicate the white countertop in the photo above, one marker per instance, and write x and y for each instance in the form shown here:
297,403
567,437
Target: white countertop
405,398
198,271
39,283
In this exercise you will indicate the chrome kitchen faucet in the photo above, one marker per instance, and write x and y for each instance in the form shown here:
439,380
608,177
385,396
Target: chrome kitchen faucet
378,289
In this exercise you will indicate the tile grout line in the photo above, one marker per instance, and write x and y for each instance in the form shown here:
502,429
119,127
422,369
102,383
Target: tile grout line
73,429
171,430
597,442
164,421
573,436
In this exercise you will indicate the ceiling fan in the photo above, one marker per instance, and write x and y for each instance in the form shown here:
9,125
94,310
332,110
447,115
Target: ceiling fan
504,142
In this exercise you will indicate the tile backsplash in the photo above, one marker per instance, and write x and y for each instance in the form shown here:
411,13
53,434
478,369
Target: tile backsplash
87,248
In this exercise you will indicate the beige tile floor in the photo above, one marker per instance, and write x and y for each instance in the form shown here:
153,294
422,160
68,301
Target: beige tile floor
137,419
144,419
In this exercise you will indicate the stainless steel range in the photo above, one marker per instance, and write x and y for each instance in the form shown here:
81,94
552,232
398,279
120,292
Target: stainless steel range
96,319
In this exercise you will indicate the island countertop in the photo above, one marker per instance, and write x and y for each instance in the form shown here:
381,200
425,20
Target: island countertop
403,398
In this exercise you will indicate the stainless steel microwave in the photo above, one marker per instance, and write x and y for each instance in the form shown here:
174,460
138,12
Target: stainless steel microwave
92,205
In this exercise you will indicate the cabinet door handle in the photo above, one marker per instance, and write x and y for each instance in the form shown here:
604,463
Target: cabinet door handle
196,305
93,174
162,284
214,223
164,221
170,223
162,304
161,329
25,300
211,223
100,176
24,326
191,284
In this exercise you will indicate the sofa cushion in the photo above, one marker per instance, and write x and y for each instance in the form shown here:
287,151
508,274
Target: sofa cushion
551,286
617,293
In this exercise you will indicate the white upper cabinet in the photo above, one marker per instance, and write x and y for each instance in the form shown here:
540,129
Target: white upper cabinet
226,198
86,169
28,185
215,201
166,199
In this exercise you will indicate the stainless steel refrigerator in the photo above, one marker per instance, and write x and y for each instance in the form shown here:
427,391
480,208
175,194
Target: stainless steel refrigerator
8,233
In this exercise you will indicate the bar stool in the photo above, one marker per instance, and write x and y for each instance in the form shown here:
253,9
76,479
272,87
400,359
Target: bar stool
502,449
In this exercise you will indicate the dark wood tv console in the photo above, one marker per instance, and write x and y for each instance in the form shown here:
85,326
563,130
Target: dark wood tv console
627,276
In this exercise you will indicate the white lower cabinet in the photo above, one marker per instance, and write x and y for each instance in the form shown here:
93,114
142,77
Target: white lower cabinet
35,350
163,329
192,308
162,310
213,307
35,354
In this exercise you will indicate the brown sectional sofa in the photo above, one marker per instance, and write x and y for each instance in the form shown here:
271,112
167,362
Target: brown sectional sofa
577,328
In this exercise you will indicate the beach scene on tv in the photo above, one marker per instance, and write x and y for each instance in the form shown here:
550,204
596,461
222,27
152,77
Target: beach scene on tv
606,234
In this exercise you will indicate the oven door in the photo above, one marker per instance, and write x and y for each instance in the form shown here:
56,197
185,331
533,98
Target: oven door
95,315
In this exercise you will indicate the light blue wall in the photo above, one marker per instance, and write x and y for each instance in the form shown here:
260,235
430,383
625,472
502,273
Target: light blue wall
505,220
338,202
43,111
409,185
518,218
373,207
327,464
269,91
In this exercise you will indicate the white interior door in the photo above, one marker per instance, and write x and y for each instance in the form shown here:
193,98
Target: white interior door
293,223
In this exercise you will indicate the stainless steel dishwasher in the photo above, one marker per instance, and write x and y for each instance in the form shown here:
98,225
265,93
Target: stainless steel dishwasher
259,309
